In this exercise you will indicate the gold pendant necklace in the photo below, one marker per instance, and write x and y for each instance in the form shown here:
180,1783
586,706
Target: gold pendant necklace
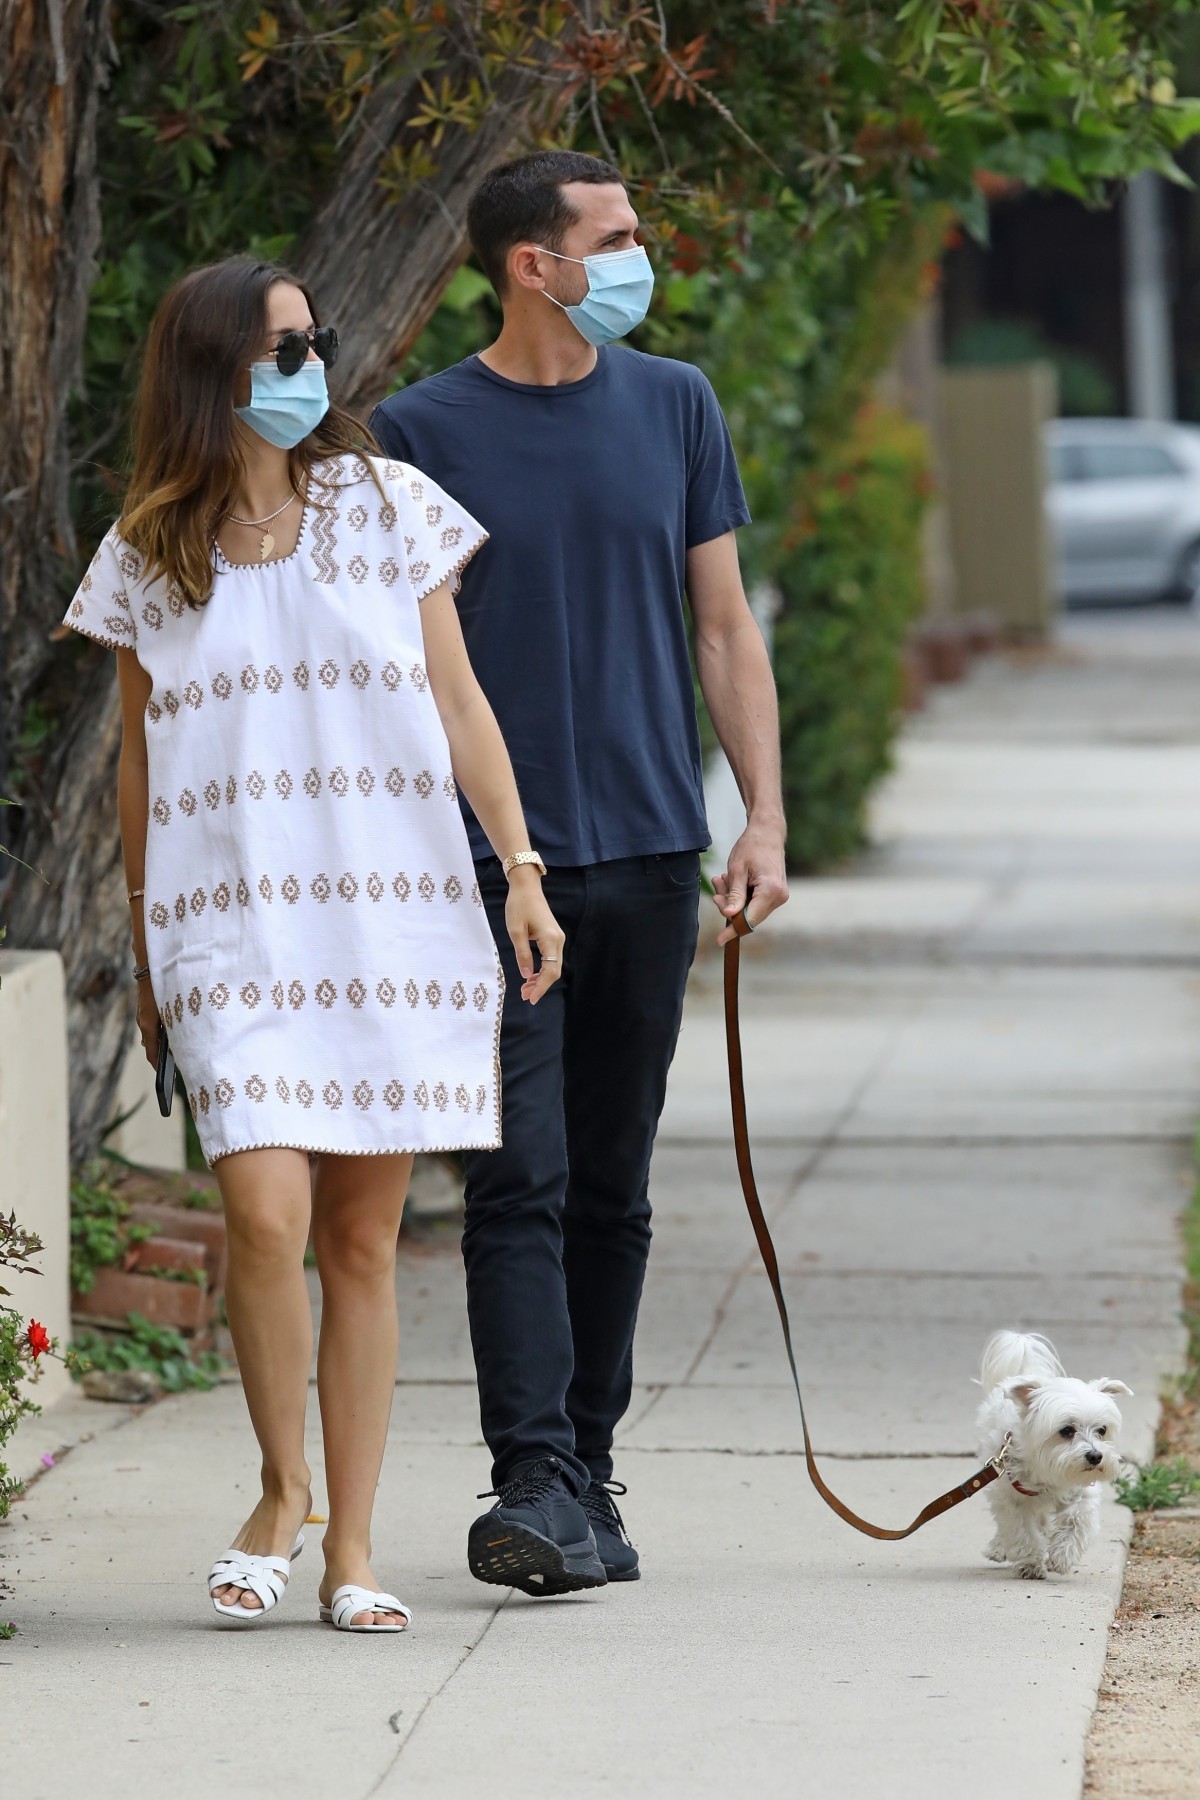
267,541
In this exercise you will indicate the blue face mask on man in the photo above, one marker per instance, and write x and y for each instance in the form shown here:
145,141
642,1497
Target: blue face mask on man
620,283
285,408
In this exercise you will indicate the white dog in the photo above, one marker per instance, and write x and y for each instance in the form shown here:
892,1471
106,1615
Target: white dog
1062,1443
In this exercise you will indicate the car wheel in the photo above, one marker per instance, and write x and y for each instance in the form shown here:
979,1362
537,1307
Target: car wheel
1187,580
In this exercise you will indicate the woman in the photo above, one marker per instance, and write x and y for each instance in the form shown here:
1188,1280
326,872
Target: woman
297,710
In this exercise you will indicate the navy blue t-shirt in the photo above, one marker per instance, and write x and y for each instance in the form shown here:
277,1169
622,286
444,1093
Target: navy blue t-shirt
573,613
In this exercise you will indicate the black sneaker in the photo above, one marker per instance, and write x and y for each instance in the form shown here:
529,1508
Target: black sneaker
536,1537
618,1555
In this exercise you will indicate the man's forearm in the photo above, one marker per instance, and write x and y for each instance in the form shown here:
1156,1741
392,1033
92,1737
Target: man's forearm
739,691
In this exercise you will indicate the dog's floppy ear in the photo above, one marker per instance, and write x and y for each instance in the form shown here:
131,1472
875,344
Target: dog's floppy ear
1107,1385
1022,1391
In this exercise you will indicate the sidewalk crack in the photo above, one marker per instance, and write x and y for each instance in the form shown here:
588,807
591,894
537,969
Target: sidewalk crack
394,1721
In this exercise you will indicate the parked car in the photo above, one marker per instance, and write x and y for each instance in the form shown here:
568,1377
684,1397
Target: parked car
1123,498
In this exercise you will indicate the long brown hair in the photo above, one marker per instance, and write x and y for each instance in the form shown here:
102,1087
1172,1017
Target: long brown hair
186,459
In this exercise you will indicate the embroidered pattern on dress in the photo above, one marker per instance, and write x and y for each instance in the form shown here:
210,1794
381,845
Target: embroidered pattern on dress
271,680
362,1093
326,994
324,541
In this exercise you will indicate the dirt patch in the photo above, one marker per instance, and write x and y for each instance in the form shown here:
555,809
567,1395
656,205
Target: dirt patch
1145,1737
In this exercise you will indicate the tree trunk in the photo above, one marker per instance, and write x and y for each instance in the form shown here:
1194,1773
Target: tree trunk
54,56
378,267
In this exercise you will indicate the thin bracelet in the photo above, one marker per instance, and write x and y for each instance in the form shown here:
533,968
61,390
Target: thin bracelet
141,974
135,894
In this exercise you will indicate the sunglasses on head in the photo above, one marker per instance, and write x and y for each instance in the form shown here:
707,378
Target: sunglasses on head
291,352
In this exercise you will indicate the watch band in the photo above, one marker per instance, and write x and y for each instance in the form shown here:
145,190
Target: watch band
521,857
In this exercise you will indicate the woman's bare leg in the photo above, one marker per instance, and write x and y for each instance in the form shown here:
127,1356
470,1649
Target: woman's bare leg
268,1204
357,1205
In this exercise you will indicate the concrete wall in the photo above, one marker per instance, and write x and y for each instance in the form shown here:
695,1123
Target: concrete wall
992,420
34,1169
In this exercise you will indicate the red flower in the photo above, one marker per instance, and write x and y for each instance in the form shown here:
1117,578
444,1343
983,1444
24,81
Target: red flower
38,1338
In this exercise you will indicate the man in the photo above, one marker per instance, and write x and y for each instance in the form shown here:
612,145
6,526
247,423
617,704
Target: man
607,481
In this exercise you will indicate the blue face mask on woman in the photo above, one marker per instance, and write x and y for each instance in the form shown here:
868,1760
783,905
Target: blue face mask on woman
285,408
620,283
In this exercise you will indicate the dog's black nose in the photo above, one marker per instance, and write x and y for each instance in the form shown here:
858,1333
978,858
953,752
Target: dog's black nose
1094,1458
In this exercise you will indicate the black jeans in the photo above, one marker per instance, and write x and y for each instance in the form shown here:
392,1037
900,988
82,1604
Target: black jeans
558,1220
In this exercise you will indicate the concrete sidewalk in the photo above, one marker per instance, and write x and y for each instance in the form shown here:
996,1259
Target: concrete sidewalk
974,1071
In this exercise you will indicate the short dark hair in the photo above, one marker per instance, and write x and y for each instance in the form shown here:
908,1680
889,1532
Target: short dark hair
523,202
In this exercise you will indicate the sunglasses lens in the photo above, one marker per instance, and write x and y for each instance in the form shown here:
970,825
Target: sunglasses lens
291,353
325,343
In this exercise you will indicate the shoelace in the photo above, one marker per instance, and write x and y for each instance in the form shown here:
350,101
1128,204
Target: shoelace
533,1483
598,1503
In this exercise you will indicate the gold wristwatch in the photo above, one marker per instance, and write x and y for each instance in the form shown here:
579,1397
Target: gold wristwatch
520,857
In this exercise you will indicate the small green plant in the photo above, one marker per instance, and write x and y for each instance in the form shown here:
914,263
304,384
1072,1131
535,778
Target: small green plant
8,1631
158,1348
193,1277
1158,1485
200,1200
102,1233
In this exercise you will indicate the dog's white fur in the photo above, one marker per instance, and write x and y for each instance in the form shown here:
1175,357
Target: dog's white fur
1064,1444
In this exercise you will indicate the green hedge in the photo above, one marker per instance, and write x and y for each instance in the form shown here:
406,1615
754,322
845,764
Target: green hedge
851,579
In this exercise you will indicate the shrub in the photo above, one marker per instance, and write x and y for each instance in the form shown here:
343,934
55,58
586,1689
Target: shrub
851,579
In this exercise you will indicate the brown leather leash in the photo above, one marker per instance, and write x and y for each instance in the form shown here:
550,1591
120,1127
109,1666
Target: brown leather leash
976,1483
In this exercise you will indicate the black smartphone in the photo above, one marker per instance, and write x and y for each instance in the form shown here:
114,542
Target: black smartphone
164,1074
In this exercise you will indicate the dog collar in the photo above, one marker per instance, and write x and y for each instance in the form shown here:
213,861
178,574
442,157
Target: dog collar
1029,1493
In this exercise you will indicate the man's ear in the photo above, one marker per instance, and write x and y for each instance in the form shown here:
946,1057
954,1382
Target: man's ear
1107,1385
523,269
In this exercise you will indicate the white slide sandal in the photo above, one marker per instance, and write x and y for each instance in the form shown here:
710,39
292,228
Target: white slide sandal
349,1600
265,1576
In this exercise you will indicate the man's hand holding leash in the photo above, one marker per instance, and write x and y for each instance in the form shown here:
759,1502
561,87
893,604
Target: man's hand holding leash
755,880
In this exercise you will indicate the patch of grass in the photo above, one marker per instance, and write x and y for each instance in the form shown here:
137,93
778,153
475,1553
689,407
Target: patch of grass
1158,1485
1191,1294
9,1630
159,1348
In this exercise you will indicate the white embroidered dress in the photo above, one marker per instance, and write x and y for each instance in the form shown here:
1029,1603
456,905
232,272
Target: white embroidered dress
315,937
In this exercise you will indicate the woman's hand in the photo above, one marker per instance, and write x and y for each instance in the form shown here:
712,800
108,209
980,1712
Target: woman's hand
148,1022
530,922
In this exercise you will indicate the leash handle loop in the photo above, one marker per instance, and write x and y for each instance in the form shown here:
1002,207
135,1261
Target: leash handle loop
766,1248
